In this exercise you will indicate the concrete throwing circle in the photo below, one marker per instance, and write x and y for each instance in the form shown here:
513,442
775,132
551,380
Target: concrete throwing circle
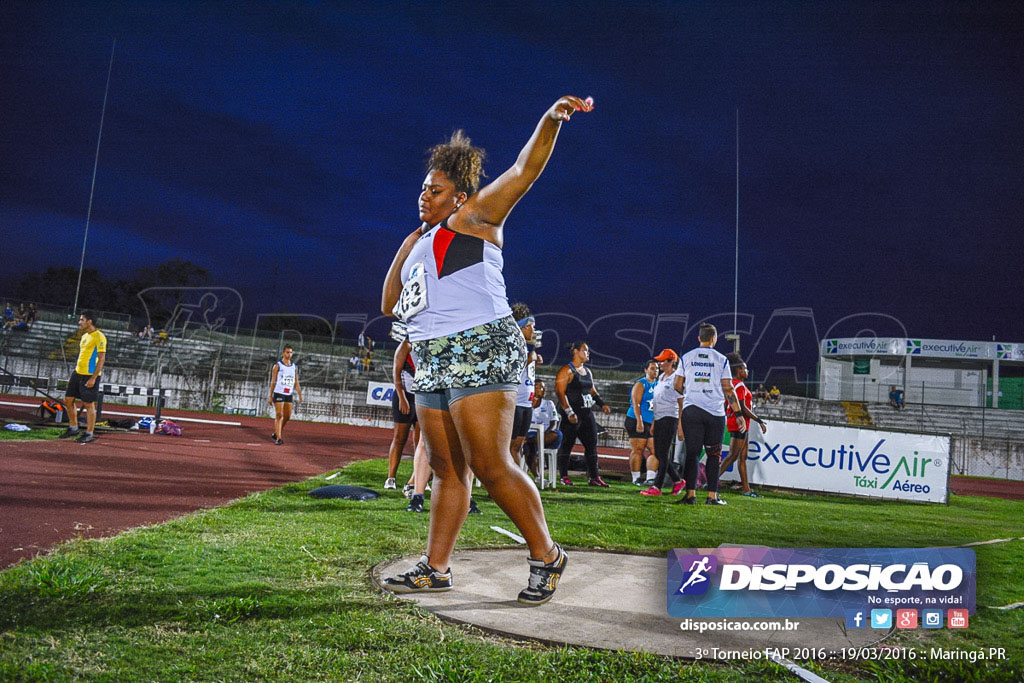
606,601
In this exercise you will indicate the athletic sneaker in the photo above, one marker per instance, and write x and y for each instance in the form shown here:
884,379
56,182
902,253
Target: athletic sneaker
751,494
688,501
653,491
407,490
543,579
273,437
648,483
715,501
86,437
597,481
565,481
679,487
389,483
278,442
420,579
473,509
68,433
415,504
638,482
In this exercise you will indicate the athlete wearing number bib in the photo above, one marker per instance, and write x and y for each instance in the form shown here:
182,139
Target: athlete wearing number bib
577,393
284,387
460,324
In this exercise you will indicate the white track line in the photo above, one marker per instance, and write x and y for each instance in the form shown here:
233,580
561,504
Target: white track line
114,412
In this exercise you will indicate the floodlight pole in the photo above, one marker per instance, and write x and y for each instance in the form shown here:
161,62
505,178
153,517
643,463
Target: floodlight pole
92,189
735,336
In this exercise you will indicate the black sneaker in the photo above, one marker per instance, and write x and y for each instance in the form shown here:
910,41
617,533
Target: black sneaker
420,579
86,437
692,500
543,579
273,437
715,501
69,433
473,509
415,504
278,442
407,490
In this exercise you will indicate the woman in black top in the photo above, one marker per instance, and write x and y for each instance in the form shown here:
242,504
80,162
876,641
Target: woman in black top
577,394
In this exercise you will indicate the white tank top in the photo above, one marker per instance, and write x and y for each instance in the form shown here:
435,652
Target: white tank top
666,399
524,398
704,369
461,276
285,384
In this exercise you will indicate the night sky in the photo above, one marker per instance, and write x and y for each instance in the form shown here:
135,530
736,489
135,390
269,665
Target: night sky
282,147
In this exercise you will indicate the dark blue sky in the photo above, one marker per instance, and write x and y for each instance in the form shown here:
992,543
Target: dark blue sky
881,149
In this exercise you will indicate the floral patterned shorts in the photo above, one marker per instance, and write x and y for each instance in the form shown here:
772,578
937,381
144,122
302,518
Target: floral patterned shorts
492,353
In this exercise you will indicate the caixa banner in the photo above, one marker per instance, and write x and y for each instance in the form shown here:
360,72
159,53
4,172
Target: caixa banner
817,582
379,394
865,462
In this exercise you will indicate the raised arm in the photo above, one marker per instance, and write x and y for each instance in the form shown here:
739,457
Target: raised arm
492,204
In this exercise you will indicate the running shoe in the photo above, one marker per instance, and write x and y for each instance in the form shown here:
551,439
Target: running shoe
69,433
565,481
278,442
597,481
86,437
751,494
473,509
389,483
648,482
543,579
653,491
638,482
692,500
679,487
715,501
415,504
407,490
273,437
420,579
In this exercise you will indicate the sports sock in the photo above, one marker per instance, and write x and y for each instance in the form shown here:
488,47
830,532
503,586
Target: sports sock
651,474
636,476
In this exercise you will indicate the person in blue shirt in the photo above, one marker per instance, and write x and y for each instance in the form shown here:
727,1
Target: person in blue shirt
639,430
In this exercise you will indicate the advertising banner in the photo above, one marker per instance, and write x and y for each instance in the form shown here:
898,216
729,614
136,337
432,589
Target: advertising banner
867,586
864,462
379,394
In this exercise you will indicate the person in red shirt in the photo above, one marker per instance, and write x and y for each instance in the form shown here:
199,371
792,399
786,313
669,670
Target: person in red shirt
739,442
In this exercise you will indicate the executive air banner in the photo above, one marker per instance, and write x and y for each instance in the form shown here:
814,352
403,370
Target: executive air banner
866,462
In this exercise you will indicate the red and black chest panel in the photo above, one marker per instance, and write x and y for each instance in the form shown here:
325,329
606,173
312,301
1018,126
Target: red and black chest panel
454,251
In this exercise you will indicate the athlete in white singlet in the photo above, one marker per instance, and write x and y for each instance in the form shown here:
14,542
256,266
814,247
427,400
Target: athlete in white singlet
446,283
284,387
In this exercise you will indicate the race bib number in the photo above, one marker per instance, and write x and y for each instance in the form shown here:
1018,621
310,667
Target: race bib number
414,294
588,401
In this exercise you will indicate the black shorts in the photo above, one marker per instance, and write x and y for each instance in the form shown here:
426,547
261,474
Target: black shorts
282,398
742,436
633,433
521,423
77,389
397,416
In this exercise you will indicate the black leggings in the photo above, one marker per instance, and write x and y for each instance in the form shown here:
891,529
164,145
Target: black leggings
664,430
702,430
586,431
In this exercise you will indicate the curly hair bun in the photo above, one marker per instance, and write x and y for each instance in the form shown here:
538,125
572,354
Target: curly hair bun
460,161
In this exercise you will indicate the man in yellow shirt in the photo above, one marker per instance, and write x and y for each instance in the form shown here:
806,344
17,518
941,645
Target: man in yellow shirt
83,384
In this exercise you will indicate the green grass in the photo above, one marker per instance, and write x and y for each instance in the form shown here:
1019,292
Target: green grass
276,587
37,434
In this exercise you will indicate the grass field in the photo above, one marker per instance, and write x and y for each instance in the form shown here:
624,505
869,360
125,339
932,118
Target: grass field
37,434
276,587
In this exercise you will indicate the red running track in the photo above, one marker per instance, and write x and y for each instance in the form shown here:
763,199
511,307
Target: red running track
53,491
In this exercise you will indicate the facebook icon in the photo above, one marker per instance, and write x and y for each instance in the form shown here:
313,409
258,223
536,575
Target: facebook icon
855,618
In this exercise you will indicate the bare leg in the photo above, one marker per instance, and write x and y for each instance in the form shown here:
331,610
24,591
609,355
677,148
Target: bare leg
484,424
278,413
397,446
90,417
420,468
286,414
69,407
449,504
636,455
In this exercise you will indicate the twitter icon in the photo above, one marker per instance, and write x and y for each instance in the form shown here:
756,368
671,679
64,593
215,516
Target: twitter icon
881,618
